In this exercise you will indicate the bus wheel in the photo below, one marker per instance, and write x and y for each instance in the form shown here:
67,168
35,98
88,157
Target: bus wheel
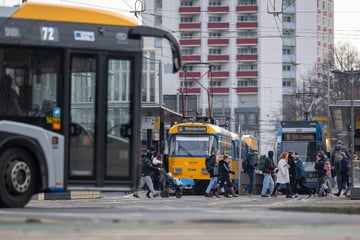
17,179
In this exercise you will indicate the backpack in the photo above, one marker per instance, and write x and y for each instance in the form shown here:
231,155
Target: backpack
261,163
245,165
327,168
207,163
216,169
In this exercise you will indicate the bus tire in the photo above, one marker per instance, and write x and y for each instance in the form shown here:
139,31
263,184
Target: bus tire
17,179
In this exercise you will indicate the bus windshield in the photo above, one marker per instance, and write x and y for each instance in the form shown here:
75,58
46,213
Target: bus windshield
199,145
304,149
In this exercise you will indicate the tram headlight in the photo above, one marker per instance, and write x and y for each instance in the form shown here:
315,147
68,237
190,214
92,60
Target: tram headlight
177,170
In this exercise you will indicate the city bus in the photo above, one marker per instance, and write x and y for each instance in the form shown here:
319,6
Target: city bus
190,143
68,75
307,139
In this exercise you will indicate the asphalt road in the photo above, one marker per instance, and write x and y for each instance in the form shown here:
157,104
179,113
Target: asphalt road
119,216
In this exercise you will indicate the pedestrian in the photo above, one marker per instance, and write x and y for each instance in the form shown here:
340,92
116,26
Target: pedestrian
157,178
250,171
213,161
334,160
292,172
347,191
344,173
268,181
224,177
282,175
322,188
146,171
300,175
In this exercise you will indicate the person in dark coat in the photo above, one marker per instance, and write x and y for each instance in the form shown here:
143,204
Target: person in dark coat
344,173
250,172
319,167
301,175
224,176
146,172
292,172
268,181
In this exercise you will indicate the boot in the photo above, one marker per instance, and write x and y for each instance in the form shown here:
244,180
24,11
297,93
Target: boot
233,192
217,193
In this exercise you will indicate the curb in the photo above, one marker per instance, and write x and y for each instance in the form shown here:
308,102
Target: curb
70,195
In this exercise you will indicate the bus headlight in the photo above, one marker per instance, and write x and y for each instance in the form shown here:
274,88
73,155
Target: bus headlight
177,170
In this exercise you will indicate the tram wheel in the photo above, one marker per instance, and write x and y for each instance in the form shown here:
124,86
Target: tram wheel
17,179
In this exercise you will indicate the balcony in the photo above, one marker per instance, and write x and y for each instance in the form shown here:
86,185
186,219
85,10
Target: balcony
218,25
189,10
246,73
219,90
246,89
247,8
190,90
218,42
248,57
246,25
247,41
189,74
220,74
190,26
218,9
218,58
190,42
191,58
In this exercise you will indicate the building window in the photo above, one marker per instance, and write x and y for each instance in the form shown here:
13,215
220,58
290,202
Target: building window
187,51
215,3
186,19
247,67
247,34
247,2
214,51
186,84
186,35
216,83
247,51
214,19
214,35
186,3
286,68
250,82
216,68
247,18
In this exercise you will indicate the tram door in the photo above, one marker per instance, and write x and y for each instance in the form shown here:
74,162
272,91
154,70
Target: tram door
100,105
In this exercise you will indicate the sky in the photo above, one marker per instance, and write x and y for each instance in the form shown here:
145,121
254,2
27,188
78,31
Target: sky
347,15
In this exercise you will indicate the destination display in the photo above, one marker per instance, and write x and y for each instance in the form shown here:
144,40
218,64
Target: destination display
299,136
192,129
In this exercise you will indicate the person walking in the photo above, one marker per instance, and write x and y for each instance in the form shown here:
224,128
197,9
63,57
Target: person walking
224,177
212,164
300,176
321,188
335,159
146,171
292,172
268,181
282,175
250,171
344,173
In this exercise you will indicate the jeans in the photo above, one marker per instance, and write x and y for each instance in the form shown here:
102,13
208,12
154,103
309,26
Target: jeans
212,184
267,183
148,181
251,182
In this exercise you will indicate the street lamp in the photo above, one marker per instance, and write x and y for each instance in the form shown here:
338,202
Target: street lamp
352,117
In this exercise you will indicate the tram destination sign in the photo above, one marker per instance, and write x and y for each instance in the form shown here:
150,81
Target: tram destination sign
192,129
299,136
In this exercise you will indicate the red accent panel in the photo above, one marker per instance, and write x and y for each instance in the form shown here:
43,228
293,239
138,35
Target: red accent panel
190,90
190,25
219,90
190,42
247,41
246,8
194,58
218,9
218,58
246,57
189,9
218,41
218,25
247,90
190,74
246,73
246,25
220,74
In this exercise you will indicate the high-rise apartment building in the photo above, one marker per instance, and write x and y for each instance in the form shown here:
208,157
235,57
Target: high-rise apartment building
242,58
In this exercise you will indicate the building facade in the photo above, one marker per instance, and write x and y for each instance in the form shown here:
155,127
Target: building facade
243,60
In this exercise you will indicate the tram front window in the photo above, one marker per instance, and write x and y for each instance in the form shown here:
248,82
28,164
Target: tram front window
193,145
